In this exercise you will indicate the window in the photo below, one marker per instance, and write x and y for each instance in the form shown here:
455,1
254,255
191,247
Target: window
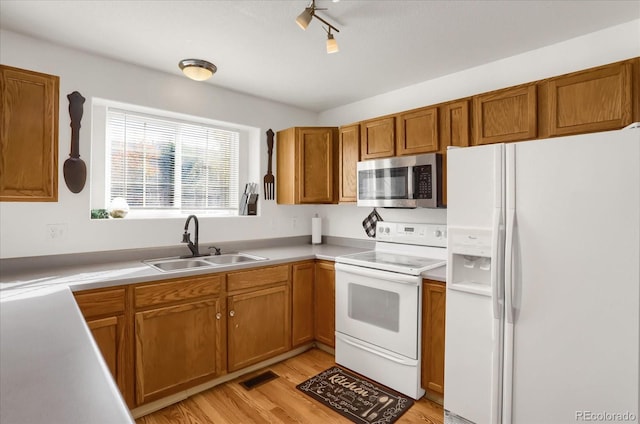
159,163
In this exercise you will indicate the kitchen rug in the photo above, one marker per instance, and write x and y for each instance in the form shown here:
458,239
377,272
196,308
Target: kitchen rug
355,398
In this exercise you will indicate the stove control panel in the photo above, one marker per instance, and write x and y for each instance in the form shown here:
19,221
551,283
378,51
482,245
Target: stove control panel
412,233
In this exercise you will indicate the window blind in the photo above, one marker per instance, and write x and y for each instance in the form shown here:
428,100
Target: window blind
160,163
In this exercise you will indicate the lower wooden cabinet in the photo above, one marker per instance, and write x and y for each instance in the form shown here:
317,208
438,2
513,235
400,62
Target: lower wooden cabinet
302,303
259,326
105,314
433,329
177,347
325,302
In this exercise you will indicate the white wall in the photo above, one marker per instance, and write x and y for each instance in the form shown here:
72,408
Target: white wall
23,225
610,45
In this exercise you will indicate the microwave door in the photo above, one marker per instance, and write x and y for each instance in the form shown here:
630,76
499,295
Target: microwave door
384,187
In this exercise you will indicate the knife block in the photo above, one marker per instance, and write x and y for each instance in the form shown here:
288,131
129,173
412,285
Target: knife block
252,205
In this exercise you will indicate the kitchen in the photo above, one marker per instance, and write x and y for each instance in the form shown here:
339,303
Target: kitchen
23,225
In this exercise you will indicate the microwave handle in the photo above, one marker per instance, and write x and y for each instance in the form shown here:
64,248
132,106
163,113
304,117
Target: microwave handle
410,177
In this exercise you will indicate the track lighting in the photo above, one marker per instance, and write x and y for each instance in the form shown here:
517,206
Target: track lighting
197,69
305,18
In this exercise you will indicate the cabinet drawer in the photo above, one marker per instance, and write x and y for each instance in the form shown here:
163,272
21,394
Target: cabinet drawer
178,289
101,302
257,277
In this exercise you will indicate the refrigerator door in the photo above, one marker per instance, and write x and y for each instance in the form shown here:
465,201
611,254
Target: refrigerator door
572,330
474,280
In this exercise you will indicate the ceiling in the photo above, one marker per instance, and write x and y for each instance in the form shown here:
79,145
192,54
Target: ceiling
259,49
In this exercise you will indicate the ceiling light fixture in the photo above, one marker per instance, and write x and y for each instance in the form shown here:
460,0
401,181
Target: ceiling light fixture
197,69
309,13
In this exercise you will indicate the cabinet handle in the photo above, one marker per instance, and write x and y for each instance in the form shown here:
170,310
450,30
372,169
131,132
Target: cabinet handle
218,315
232,313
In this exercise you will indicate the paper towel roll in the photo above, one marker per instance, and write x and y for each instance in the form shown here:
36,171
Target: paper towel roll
316,230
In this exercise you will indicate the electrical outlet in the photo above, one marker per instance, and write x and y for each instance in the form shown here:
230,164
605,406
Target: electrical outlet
56,231
294,222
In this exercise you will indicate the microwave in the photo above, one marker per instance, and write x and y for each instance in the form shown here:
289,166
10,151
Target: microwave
401,182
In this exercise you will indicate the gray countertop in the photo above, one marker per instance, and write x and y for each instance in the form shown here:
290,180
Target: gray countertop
52,371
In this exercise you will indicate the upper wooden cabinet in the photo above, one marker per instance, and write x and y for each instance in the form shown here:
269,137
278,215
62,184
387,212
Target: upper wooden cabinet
598,99
307,165
28,136
378,138
349,154
417,131
505,115
455,130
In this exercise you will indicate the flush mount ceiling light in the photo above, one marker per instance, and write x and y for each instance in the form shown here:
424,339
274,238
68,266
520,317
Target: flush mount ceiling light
305,18
197,69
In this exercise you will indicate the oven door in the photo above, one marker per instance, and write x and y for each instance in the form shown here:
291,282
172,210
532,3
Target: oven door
379,307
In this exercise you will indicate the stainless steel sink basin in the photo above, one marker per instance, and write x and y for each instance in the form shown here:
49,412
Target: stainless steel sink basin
233,258
183,264
178,264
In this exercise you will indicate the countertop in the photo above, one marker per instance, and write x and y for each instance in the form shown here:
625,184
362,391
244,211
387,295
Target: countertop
52,371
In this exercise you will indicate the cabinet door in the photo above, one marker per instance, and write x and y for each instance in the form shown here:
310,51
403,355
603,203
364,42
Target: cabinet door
177,347
29,136
417,132
433,329
455,132
325,303
505,115
302,303
259,326
349,152
595,100
109,335
317,153
377,138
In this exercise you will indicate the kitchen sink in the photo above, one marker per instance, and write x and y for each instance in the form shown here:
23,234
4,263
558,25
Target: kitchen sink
183,264
232,258
178,264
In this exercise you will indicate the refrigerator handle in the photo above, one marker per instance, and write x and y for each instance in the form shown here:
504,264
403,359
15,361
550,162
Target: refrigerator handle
496,295
508,265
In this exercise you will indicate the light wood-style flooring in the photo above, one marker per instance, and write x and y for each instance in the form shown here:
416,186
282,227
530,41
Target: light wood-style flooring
277,401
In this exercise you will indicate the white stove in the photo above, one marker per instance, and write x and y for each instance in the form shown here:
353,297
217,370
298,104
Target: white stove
405,248
379,303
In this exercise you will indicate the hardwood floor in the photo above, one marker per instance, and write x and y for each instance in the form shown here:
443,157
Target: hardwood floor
277,401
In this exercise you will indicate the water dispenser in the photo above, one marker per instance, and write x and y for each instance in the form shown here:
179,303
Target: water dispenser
470,261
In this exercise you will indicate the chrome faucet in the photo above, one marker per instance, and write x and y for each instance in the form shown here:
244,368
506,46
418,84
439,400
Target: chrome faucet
186,238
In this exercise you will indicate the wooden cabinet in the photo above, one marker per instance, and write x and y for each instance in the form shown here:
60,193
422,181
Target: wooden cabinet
307,165
105,313
417,131
180,334
28,136
349,155
598,99
325,303
302,300
454,118
378,138
259,319
433,331
505,115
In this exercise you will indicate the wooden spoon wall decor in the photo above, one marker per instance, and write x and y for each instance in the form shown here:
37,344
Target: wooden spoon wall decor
75,170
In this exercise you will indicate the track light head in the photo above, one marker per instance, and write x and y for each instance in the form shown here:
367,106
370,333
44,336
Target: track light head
332,44
304,18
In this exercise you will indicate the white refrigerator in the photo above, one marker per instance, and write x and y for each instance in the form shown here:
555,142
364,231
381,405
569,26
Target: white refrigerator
543,281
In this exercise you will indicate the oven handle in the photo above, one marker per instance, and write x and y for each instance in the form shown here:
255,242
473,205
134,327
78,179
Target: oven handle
379,274
397,360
